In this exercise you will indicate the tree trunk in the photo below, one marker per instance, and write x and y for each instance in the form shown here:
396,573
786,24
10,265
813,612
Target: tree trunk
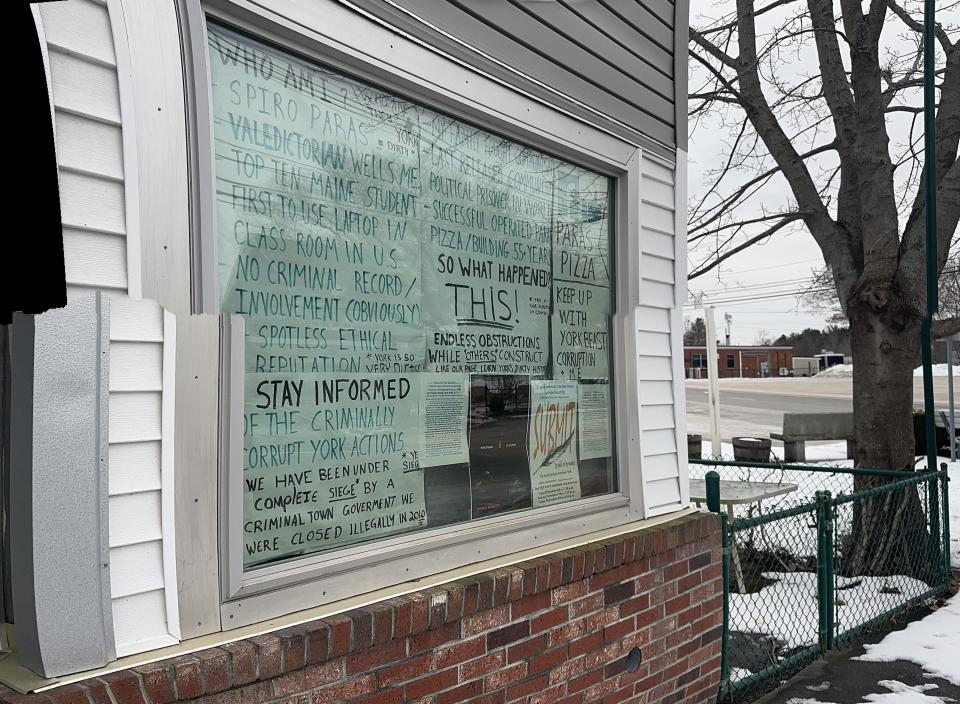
888,532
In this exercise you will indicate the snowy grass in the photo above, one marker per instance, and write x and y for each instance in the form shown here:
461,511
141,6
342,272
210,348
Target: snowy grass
786,610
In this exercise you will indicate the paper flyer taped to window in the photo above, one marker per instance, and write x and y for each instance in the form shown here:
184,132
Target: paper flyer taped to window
594,421
443,407
552,442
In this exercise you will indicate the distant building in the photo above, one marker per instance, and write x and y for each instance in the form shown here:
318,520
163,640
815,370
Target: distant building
825,359
805,366
740,362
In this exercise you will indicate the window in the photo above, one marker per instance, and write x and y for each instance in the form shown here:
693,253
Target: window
425,309
699,361
731,361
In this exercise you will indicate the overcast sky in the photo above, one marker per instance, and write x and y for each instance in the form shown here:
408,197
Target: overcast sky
765,274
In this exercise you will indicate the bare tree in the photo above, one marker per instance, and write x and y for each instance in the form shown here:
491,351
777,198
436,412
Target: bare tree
809,98
763,338
820,296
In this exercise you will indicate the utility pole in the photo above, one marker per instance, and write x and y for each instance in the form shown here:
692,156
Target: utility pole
953,417
713,384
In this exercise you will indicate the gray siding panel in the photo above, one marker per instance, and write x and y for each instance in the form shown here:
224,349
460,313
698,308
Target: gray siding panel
58,518
614,57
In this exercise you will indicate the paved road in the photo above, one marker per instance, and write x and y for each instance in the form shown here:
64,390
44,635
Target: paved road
756,406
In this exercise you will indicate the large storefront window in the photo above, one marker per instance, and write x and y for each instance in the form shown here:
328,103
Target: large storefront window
426,306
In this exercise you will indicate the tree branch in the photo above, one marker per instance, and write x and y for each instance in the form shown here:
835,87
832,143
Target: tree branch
704,268
945,328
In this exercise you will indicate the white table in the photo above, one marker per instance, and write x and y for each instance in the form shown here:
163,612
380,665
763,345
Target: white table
732,493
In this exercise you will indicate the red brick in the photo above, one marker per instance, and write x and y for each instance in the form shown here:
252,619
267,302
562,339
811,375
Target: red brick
524,649
482,666
97,689
215,666
585,680
268,656
505,676
485,594
454,602
387,696
471,591
404,671
530,604
616,631
567,671
322,673
365,684
568,631
501,587
157,681
428,640
420,617
485,620
431,683
69,694
516,585
547,696
188,676
508,634
550,619
340,633
125,687
362,628
373,658
547,660
569,592
461,651
585,644
382,623
527,687
586,605
461,693
243,661
402,614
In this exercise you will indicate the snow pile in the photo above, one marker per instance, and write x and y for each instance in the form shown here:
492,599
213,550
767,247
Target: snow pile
938,370
787,609
898,693
932,643
847,370
837,370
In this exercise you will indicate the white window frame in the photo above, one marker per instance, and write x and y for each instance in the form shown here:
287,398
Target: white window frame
322,30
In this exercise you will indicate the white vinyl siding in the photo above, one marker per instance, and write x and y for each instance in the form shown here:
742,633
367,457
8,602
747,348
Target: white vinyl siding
89,137
656,319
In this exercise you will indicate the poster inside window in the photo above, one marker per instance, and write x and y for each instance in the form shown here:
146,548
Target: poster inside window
426,308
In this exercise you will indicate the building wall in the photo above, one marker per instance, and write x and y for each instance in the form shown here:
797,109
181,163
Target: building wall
628,85
747,361
97,239
659,335
558,630
98,177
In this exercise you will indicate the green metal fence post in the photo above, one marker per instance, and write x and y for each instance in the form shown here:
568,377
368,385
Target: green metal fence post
712,480
945,498
825,577
933,506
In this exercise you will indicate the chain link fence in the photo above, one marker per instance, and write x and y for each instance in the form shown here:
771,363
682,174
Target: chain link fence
816,556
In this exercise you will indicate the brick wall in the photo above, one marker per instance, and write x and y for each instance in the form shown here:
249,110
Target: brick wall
560,629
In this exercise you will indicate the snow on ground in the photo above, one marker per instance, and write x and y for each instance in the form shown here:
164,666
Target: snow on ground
847,370
897,693
787,609
938,370
933,643
836,370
